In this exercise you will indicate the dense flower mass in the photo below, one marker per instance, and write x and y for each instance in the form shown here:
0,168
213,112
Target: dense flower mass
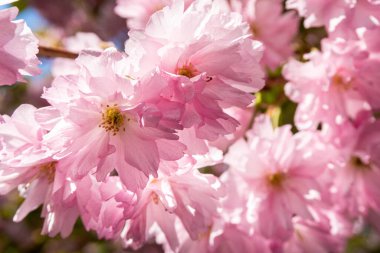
221,127
139,12
270,26
208,58
338,15
344,83
279,171
18,48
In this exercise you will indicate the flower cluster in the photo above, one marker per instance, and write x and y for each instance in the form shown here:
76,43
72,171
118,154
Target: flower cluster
18,48
126,137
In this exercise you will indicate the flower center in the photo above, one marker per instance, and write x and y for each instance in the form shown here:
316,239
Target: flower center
359,164
47,170
340,82
254,29
155,198
112,119
276,179
206,234
187,70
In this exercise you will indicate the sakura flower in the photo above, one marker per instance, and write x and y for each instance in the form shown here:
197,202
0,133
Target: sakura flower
138,12
244,117
188,198
106,121
210,62
271,26
335,85
233,239
226,238
98,207
372,40
18,48
28,164
325,234
75,44
345,14
280,170
357,169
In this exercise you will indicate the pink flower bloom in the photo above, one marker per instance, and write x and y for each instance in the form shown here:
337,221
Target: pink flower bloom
60,209
268,24
107,121
280,170
355,186
139,12
210,62
235,240
225,238
28,164
345,14
18,49
98,207
75,44
21,146
334,85
372,41
244,117
327,233
189,198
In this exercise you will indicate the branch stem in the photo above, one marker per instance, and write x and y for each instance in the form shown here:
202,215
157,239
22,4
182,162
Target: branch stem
52,52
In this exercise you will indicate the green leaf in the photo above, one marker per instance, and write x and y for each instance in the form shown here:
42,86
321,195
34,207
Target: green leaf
21,4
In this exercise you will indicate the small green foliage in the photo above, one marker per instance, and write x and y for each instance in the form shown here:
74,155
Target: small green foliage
21,5
206,170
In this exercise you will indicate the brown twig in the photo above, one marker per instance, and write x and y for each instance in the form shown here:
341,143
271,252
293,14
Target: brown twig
51,52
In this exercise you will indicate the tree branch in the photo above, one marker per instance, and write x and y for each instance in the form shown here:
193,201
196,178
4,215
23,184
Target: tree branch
51,52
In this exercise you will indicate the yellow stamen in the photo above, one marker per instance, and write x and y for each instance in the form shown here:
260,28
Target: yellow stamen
276,179
47,170
339,82
187,70
112,119
254,29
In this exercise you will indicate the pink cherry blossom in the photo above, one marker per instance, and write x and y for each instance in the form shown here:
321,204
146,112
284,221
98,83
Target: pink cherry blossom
139,12
225,238
98,207
22,149
338,14
268,24
18,48
188,198
355,185
124,123
163,143
244,117
75,44
327,232
209,59
334,85
280,170
28,164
